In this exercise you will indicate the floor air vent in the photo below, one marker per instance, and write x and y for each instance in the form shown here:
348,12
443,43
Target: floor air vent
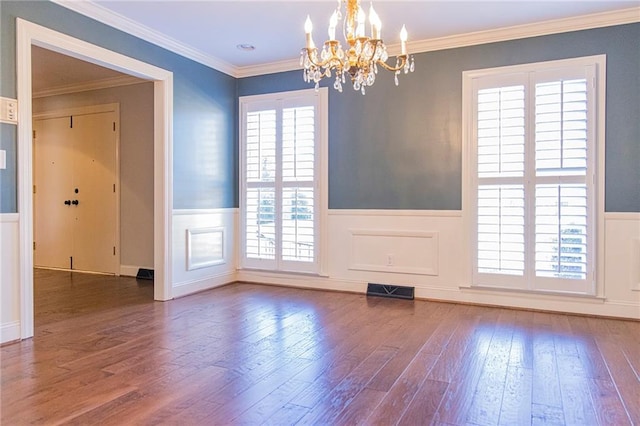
384,290
145,274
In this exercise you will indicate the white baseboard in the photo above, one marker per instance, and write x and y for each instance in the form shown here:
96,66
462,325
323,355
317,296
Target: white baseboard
131,271
10,332
301,281
562,304
190,287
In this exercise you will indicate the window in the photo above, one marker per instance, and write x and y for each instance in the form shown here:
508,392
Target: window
531,152
283,180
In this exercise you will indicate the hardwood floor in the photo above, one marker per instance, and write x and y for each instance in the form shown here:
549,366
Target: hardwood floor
105,353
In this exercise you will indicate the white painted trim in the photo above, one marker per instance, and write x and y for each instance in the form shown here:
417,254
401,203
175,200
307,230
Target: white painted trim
320,184
634,273
122,23
401,213
213,281
84,110
9,217
536,301
191,212
10,332
396,269
555,26
191,265
575,23
28,34
86,86
622,216
269,68
301,281
597,166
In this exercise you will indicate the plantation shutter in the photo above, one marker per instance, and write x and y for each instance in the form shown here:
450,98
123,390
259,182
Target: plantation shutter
280,181
564,175
533,178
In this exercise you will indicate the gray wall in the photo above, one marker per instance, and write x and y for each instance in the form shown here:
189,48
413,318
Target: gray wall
204,106
400,147
136,162
395,148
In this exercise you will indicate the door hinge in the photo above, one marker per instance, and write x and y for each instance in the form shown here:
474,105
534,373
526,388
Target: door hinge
114,126
114,187
34,189
114,251
34,245
34,134
71,121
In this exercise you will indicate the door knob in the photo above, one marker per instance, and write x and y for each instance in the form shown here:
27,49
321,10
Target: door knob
67,202
75,202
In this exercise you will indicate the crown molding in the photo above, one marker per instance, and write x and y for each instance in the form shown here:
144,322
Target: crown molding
104,83
270,68
576,23
556,26
129,26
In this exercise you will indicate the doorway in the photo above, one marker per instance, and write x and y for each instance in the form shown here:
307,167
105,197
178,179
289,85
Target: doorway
29,34
76,189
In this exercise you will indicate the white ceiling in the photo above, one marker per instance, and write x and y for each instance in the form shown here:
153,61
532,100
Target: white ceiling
275,28
210,30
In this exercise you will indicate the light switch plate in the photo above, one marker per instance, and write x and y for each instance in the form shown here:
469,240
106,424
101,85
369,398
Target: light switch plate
8,110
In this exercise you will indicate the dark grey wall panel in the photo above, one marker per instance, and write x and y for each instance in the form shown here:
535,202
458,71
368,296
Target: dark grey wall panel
205,171
400,147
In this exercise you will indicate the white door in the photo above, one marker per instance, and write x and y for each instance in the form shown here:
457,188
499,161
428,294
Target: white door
53,183
75,207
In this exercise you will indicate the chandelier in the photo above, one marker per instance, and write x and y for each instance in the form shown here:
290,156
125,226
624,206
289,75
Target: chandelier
360,59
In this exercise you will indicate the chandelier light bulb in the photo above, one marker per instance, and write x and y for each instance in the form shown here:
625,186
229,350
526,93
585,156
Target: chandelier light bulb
333,22
376,24
403,39
361,20
308,27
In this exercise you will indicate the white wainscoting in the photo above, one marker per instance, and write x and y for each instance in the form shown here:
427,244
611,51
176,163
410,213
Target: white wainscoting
203,248
622,258
404,252
429,252
9,277
406,247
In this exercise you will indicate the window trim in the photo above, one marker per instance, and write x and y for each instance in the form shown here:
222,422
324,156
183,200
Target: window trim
321,182
468,198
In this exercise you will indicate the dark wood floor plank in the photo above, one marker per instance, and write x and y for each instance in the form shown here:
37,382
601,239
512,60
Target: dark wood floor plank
490,389
515,408
245,354
424,407
338,399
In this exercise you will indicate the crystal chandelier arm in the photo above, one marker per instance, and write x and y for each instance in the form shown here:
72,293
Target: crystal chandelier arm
403,62
314,63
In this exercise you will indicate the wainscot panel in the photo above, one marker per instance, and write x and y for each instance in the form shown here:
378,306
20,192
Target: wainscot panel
9,278
203,249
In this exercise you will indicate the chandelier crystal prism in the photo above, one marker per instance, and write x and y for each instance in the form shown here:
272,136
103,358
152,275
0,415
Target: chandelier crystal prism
360,59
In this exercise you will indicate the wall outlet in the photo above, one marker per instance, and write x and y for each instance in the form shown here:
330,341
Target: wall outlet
3,159
390,260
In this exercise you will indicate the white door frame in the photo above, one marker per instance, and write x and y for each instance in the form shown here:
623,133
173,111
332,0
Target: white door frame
28,34
86,110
